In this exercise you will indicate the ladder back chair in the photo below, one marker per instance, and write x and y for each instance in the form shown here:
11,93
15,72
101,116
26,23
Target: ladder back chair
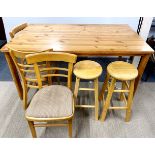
26,72
17,29
54,102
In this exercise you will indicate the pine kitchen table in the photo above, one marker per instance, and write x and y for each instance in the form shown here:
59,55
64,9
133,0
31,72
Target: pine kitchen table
83,40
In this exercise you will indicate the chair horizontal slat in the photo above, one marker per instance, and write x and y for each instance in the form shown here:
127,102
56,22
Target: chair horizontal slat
34,80
27,71
117,108
120,90
89,89
31,80
50,75
48,125
30,66
85,106
24,66
32,86
53,68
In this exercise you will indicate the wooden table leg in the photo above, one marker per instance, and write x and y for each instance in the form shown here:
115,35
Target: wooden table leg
14,74
141,68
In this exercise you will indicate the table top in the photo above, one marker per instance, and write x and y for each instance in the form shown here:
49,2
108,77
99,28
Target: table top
107,39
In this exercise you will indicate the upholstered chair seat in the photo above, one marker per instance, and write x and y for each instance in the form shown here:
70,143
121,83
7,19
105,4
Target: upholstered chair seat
55,101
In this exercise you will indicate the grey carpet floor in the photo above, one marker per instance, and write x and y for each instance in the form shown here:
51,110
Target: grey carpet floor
142,124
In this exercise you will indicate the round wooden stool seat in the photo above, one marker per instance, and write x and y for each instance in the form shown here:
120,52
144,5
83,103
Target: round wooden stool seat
87,69
122,70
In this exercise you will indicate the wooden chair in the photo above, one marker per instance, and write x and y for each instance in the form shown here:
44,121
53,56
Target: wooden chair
125,73
88,70
50,103
17,29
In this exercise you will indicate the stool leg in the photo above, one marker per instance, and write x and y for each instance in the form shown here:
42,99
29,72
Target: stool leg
76,88
107,102
130,100
104,87
96,98
121,94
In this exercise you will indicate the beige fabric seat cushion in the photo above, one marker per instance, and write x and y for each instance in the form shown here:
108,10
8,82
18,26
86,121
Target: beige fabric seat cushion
53,101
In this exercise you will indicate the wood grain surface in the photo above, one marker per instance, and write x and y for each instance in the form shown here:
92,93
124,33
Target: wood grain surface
80,39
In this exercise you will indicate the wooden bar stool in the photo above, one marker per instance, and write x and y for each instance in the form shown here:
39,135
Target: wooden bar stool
88,70
126,73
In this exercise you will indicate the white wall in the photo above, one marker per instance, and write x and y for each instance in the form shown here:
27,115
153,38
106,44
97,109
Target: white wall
144,32
10,22
146,25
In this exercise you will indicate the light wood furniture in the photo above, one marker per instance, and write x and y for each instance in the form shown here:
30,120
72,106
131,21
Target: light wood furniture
17,29
88,70
126,73
82,40
50,103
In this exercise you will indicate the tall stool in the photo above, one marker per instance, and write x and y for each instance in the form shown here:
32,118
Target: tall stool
126,73
88,70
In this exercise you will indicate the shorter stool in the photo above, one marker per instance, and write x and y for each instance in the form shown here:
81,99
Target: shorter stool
88,70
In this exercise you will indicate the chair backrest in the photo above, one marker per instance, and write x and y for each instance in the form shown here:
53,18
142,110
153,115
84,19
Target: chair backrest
25,71
17,29
46,71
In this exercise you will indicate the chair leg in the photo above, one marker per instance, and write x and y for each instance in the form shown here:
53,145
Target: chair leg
76,88
121,94
25,98
104,87
96,98
130,100
32,128
107,102
131,59
70,128
120,58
